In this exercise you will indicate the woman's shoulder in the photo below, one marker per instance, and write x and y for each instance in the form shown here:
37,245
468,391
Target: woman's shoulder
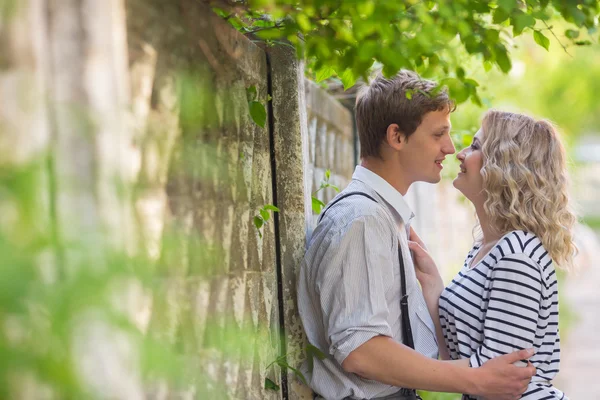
523,247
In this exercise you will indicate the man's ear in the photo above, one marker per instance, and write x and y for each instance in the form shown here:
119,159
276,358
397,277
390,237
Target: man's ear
394,137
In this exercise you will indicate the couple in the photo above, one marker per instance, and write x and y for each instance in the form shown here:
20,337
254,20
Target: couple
493,332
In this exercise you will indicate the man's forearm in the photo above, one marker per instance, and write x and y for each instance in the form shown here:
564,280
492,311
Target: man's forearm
384,360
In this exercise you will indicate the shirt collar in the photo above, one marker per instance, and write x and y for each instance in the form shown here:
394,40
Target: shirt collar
385,190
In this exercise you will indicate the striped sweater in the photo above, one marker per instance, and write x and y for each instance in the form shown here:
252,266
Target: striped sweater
505,302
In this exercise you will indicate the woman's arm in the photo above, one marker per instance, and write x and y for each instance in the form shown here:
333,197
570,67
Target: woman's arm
431,284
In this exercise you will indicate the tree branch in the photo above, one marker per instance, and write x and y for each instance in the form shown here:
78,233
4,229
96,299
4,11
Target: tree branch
557,39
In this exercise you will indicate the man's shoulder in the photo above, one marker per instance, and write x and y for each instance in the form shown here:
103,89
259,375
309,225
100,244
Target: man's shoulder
355,203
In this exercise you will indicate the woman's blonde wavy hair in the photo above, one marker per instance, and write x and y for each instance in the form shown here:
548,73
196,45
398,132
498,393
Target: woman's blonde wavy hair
525,179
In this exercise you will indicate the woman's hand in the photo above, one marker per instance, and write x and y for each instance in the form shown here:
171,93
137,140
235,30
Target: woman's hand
427,272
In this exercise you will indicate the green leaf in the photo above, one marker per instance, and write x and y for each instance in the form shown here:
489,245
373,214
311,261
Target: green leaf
541,39
299,374
458,91
408,94
583,43
502,58
258,113
303,22
270,385
313,351
265,215
577,15
271,207
324,73
251,93
572,33
500,15
507,5
487,66
337,189
348,79
520,21
365,8
327,174
317,205
258,222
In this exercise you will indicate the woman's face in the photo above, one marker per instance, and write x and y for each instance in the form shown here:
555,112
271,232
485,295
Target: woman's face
469,180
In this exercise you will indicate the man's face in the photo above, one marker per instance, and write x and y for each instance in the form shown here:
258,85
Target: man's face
426,148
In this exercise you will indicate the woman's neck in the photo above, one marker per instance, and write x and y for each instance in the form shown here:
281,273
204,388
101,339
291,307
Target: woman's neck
490,235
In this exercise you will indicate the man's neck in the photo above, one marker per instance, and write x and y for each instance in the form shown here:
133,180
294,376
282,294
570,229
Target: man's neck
389,172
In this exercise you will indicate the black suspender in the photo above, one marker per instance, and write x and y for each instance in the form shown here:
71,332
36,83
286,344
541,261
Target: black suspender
342,197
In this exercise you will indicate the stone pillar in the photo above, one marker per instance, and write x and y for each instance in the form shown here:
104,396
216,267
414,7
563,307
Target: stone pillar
293,193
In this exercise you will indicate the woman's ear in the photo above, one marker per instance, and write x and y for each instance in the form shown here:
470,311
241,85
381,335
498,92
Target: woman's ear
394,137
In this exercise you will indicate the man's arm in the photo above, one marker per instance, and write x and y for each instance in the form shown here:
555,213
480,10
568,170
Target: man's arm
384,360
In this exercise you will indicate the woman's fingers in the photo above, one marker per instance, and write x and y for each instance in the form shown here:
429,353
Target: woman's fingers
418,250
415,238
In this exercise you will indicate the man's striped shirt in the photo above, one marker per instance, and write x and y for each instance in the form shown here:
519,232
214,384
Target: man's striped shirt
507,301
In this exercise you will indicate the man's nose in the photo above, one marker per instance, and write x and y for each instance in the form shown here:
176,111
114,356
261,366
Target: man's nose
449,146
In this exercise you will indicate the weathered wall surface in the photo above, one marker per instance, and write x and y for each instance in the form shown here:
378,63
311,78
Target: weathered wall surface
293,193
205,173
330,142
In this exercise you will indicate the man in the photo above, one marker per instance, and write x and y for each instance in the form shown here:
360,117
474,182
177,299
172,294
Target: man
350,285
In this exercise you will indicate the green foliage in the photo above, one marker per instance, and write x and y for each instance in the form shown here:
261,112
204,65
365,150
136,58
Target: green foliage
269,384
257,110
548,83
310,351
317,205
263,216
344,39
541,39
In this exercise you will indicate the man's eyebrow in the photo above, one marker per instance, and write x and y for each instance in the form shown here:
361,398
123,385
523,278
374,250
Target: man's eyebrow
444,128
475,139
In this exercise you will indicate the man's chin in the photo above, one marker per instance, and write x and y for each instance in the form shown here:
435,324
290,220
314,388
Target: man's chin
433,179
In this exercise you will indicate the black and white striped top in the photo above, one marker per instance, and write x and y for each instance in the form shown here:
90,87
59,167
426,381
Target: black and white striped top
507,301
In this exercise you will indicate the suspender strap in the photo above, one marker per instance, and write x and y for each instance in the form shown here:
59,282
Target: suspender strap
342,197
407,337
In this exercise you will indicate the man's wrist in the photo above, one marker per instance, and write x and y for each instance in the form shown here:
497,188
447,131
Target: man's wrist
473,381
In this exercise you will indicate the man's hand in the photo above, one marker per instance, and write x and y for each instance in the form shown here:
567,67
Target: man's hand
499,379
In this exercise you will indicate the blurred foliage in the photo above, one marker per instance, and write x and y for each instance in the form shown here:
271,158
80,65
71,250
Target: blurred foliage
67,323
439,396
560,85
345,38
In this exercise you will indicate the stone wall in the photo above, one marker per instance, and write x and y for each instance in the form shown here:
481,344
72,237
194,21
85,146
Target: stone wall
206,172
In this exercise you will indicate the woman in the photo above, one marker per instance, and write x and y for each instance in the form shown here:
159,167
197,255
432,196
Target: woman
506,295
